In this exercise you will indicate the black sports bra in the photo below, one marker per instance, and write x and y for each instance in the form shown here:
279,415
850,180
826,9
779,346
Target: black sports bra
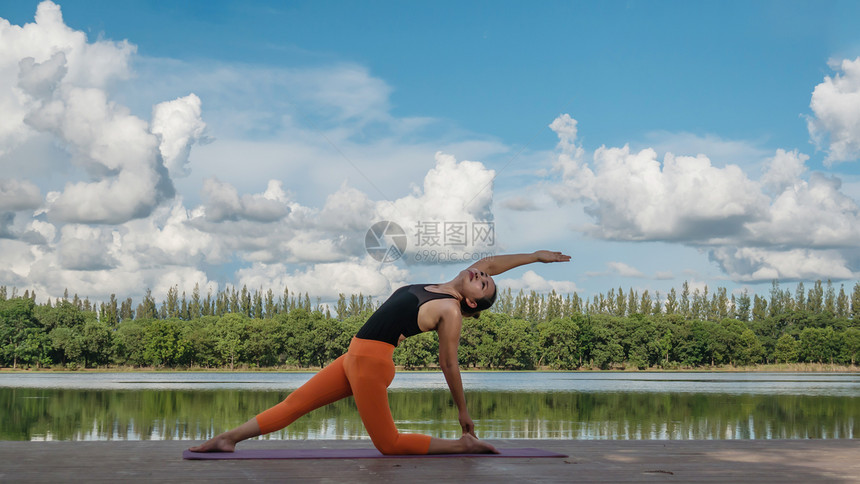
398,314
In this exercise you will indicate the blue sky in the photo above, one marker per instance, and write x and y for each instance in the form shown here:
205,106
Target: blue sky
345,104
736,69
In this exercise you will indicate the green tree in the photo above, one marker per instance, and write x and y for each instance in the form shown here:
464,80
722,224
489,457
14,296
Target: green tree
855,304
607,349
786,350
750,350
109,313
230,334
708,343
475,333
742,311
97,343
850,346
816,344
67,344
125,311
664,344
147,309
759,311
263,345
129,342
172,303
558,343
197,338
842,303
671,302
641,344
515,345
17,325
419,351
162,343
815,298
63,315
684,307
195,309
585,340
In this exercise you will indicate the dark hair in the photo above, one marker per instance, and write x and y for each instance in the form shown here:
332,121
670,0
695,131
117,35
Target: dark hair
483,303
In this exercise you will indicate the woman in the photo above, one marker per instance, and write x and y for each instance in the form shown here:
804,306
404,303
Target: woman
366,370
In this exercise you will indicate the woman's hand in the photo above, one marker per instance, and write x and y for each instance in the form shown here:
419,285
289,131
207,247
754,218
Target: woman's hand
467,424
549,256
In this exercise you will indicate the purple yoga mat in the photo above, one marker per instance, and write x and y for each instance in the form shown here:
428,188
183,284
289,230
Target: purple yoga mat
348,454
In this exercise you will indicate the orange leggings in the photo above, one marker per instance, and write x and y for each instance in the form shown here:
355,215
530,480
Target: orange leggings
364,372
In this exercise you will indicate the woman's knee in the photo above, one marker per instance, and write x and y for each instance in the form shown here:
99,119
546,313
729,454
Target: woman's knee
386,444
402,444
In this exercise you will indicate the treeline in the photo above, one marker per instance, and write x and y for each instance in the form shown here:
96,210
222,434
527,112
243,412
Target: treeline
255,329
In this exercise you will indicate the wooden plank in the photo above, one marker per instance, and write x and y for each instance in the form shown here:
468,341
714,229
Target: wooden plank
757,461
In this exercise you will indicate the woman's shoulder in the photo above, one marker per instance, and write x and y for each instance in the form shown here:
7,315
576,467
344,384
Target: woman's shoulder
434,289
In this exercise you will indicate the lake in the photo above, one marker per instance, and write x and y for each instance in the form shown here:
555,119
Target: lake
510,405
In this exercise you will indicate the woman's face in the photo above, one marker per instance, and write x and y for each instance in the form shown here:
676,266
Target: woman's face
477,284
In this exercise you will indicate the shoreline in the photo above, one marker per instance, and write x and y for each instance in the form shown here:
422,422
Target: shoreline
773,368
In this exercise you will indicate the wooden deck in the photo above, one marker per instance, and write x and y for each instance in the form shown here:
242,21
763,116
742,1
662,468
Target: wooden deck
757,461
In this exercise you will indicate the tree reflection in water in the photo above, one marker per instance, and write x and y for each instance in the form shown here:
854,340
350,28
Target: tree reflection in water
70,414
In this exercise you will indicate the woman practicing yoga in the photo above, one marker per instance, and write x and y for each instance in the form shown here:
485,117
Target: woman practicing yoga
366,370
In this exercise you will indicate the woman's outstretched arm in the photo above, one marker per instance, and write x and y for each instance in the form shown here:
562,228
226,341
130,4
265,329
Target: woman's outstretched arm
498,264
449,340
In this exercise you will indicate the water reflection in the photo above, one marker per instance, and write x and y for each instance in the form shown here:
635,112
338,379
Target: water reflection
94,414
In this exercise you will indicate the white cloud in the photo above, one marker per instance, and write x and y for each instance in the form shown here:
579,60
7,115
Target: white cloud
664,275
116,149
178,125
85,248
836,104
566,128
635,197
34,53
784,170
347,210
752,264
339,99
183,278
110,219
55,82
221,201
531,281
811,213
314,247
755,230
16,259
458,194
327,280
336,232
18,195
719,150
625,270
346,89
167,237
520,204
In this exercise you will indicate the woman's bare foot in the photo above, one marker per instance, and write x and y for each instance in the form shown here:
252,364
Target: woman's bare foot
475,446
220,443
